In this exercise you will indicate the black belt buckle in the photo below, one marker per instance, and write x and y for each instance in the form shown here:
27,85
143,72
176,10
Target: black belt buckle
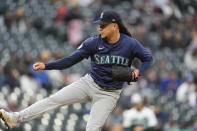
107,88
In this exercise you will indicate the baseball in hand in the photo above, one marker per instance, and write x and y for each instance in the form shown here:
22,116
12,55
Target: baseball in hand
39,66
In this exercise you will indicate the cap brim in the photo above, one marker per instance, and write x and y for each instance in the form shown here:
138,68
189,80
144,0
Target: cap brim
99,22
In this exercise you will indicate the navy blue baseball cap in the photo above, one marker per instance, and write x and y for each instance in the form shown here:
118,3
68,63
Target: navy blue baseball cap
107,17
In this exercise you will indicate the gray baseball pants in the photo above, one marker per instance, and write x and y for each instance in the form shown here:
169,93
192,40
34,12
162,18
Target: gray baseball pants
85,89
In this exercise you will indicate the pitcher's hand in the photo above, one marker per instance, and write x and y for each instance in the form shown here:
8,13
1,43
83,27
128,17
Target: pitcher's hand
38,66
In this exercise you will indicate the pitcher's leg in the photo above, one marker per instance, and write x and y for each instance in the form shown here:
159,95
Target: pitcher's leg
100,111
76,92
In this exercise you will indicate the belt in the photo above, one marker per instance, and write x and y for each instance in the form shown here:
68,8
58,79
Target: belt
107,88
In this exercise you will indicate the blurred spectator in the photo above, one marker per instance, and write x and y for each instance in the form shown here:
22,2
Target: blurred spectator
190,58
154,33
151,76
171,10
163,69
38,23
166,40
74,32
60,14
21,22
139,115
15,63
178,41
161,116
75,26
27,61
171,84
45,55
156,25
185,89
8,19
12,78
42,76
189,22
193,97
141,33
114,122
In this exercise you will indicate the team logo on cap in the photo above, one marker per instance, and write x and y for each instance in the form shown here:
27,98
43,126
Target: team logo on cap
101,15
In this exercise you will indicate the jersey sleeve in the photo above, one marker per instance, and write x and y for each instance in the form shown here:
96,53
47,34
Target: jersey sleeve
127,119
152,119
83,51
144,55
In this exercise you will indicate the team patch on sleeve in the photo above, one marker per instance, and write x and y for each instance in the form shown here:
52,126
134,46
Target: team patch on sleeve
80,46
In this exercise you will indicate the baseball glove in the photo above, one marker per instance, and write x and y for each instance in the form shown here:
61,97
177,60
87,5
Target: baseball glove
124,74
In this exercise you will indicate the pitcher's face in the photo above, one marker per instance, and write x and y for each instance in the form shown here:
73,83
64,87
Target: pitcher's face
107,30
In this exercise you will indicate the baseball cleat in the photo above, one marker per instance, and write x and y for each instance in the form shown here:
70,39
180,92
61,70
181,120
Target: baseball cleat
10,119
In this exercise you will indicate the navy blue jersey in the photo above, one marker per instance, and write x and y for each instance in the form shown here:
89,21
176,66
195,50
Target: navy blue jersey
103,55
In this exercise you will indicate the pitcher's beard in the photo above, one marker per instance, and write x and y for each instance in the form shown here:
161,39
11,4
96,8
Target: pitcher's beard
105,38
